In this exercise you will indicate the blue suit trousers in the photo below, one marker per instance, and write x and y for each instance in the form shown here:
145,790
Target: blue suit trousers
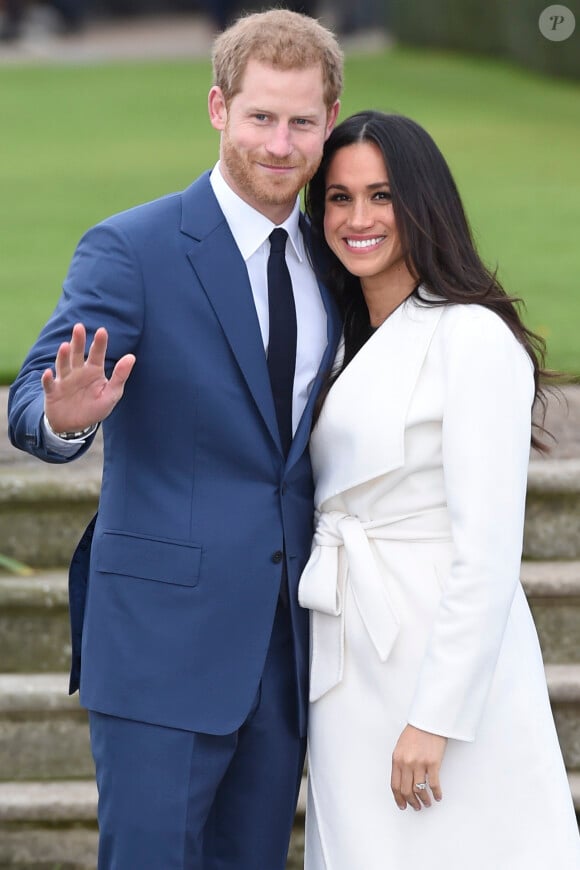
179,800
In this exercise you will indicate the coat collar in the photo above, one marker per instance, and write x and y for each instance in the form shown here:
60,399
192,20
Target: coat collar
200,212
360,433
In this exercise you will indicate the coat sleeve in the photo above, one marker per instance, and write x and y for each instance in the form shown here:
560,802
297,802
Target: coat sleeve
488,396
103,288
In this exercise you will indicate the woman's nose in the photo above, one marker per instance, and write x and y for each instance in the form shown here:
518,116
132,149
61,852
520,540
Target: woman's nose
360,216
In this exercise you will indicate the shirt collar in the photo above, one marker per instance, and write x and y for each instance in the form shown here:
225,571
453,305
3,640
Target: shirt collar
250,228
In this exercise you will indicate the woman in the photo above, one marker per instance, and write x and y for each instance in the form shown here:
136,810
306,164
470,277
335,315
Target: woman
427,684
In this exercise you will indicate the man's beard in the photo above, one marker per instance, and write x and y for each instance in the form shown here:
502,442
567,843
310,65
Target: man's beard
250,181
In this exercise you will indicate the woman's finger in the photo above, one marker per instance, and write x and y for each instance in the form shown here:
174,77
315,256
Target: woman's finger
421,787
396,787
434,782
408,788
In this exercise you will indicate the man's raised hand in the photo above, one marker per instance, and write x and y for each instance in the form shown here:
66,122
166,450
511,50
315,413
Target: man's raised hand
78,394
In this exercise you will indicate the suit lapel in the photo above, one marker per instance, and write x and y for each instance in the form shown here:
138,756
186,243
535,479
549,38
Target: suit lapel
333,331
223,276
361,431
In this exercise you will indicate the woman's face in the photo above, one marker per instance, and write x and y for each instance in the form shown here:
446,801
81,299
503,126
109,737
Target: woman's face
359,222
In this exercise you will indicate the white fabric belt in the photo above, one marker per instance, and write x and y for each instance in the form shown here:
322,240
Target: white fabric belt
323,584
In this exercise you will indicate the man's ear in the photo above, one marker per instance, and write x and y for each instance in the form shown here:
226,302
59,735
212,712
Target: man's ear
216,104
331,118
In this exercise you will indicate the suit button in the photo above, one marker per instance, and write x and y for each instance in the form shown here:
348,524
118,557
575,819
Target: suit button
277,557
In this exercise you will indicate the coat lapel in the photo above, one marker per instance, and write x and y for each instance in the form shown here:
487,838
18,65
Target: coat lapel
360,433
333,331
223,276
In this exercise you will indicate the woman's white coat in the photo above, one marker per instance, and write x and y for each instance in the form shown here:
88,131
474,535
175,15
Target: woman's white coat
420,458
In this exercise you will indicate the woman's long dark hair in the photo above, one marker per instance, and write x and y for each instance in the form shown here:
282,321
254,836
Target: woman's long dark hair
435,236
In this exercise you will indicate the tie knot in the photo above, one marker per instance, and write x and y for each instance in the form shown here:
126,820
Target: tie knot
278,240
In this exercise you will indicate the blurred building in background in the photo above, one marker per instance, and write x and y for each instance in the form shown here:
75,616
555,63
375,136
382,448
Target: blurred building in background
70,16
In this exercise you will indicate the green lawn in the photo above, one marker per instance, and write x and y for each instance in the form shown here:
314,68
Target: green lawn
80,143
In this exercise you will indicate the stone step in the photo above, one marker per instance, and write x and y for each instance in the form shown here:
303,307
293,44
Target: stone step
564,687
43,824
34,625
44,509
43,731
553,591
48,825
574,780
552,527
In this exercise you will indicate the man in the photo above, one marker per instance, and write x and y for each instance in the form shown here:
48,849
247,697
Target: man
194,651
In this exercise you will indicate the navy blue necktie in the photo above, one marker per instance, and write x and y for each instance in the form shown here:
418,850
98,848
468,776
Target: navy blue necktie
282,339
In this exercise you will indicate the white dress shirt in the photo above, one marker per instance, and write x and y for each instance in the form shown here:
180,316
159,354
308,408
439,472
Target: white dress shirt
251,231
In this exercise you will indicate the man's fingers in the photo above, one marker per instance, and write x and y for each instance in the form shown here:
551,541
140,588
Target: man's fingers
98,348
47,381
121,372
62,361
77,345
80,394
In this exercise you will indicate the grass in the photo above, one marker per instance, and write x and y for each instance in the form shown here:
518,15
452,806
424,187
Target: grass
80,143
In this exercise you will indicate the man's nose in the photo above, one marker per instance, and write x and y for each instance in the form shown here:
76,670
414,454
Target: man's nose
279,144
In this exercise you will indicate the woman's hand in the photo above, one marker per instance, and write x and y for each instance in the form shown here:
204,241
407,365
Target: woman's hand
417,759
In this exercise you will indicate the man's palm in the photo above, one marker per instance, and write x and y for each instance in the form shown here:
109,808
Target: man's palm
79,394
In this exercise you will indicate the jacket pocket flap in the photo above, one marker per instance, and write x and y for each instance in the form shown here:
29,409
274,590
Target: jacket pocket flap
148,558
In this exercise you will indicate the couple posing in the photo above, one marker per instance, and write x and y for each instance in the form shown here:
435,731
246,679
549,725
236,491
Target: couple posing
223,328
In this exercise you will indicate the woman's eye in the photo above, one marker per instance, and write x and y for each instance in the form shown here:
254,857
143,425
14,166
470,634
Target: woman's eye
383,196
338,197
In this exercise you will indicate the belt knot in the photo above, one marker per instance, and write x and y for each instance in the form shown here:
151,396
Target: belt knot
322,590
342,555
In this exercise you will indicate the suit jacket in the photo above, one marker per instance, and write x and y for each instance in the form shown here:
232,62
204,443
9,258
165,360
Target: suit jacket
197,500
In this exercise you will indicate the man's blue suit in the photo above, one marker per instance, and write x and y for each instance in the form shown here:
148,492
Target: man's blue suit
198,502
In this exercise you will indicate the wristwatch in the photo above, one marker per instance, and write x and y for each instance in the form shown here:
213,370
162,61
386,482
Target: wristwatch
72,436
